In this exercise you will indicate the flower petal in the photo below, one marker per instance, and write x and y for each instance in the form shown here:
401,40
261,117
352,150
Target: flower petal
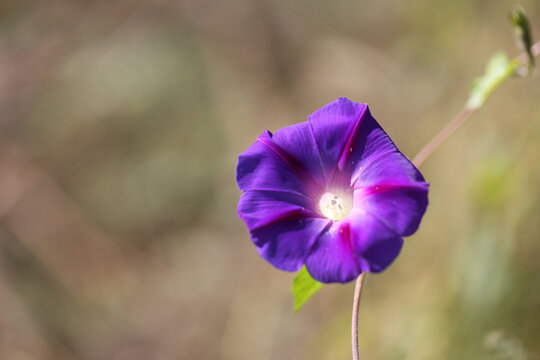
334,126
265,166
299,141
353,245
286,244
398,206
340,149
375,160
260,208
332,258
376,244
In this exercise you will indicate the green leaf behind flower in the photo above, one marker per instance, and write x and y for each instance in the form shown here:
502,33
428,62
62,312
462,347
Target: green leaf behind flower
304,287
498,69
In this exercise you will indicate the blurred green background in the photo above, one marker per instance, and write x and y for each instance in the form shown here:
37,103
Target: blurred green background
121,122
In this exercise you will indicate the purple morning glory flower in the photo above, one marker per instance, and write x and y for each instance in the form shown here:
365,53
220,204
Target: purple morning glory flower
333,193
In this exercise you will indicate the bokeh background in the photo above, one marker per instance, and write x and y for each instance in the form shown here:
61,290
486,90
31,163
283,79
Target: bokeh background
120,125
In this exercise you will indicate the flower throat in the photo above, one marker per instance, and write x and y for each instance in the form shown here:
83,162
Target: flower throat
334,207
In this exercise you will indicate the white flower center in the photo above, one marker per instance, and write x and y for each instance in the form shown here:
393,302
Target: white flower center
335,207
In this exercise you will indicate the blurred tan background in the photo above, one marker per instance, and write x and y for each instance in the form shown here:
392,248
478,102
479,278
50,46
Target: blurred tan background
121,122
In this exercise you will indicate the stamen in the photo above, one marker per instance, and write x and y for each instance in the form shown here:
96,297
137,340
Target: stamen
334,207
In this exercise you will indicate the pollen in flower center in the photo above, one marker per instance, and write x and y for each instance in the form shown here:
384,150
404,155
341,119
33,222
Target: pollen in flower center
334,207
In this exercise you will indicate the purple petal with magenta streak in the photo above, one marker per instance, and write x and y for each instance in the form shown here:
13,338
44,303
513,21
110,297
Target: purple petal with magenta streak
332,258
399,206
376,245
334,127
374,159
266,166
286,244
358,243
305,150
260,208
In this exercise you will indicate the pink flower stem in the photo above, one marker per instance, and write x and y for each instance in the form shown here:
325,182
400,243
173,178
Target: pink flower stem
442,136
418,160
459,120
356,305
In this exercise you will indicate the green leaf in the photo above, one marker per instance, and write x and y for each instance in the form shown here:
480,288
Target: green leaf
304,287
522,29
498,69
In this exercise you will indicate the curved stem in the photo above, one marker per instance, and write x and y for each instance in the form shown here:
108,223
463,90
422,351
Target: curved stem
426,151
441,137
356,305
459,120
